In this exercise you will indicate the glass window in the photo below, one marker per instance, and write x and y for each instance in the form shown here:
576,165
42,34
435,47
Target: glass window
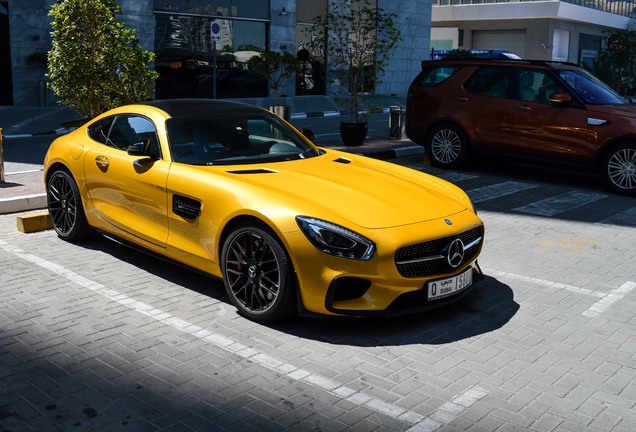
258,9
185,63
99,130
436,75
590,88
234,139
128,129
536,85
489,81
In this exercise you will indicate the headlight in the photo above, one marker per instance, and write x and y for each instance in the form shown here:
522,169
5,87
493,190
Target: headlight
335,239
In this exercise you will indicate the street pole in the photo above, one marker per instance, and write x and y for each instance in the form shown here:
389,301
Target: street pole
1,159
214,70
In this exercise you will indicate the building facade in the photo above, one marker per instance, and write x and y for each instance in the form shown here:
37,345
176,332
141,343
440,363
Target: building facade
567,30
179,33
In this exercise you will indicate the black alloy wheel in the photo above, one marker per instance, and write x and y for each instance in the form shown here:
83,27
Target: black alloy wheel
447,147
257,274
65,207
619,169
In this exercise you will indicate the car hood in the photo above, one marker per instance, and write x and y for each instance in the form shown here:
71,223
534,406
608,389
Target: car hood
365,192
628,110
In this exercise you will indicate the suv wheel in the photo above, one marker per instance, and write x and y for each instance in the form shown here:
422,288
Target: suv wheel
619,169
447,147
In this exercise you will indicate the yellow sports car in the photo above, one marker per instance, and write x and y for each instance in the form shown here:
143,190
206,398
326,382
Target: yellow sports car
234,191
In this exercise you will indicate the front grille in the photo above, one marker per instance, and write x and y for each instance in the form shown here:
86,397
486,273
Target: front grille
429,258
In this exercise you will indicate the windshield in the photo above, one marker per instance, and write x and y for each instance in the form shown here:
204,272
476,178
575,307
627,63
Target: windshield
235,138
590,88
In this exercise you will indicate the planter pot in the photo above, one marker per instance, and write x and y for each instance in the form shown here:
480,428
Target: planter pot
282,111
353,134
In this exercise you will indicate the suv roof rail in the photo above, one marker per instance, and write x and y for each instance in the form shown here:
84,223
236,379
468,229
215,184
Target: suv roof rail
501,60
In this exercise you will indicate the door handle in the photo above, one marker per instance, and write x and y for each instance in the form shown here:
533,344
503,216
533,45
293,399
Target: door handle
523,107
102,161
461,98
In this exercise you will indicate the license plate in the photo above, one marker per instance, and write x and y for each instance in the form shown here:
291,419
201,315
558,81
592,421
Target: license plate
449,286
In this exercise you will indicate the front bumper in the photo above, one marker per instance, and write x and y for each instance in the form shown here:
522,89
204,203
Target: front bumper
330,285
408,303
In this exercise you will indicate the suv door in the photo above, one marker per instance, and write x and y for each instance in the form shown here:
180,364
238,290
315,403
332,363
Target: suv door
485,110
545,129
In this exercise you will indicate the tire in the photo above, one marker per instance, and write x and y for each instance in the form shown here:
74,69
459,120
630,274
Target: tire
618,169
65,207
447,147
257,274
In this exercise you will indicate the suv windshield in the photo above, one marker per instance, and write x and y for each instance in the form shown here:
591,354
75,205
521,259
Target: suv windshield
234,139
591,89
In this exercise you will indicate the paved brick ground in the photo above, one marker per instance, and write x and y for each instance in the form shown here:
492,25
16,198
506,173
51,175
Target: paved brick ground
96,336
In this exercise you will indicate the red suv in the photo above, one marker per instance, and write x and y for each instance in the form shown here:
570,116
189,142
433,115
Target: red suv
537,109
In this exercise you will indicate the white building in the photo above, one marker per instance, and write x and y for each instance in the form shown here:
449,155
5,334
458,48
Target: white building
568,30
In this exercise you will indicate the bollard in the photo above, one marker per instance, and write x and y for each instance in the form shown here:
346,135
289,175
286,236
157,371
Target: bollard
397,122
1,159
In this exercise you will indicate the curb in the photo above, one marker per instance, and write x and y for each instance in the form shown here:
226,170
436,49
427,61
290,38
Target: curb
23,203
59,131
331,114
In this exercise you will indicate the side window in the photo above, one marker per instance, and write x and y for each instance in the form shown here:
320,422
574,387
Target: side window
129,129
436,75
99,131
535,85
549,85
488,81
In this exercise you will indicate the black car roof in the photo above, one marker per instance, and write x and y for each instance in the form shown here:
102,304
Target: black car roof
181,108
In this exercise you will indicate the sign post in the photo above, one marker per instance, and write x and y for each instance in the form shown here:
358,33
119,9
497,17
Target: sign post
215,35
1,159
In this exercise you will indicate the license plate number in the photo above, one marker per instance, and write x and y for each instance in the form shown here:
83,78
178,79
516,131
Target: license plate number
449,286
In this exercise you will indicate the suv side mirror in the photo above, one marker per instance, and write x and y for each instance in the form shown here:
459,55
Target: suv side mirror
560,99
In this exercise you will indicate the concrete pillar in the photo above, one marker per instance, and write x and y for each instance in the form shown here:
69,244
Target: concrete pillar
282,36
414,22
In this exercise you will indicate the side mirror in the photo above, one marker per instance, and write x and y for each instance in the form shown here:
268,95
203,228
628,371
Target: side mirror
139,148
309,134
560,99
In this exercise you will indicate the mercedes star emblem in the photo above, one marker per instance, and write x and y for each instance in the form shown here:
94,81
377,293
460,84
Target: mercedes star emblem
455,253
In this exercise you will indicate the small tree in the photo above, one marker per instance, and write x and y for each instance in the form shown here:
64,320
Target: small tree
275,67
96,63
617,67
359,38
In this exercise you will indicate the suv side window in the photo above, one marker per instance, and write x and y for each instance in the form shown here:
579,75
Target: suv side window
536,85
129,129
488,81
436,75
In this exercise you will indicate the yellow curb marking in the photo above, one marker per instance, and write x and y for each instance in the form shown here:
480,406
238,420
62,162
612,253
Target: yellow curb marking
574,244
33,222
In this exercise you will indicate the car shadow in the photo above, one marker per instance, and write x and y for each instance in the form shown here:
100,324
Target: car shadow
485,309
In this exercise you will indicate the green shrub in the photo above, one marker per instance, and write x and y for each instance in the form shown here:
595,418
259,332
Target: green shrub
618,68
96,63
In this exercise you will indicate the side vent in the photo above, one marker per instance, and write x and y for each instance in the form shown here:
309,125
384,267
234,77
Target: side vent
343,160
185,207
254,171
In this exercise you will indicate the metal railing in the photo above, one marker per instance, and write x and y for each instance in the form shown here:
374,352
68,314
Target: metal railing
620,7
